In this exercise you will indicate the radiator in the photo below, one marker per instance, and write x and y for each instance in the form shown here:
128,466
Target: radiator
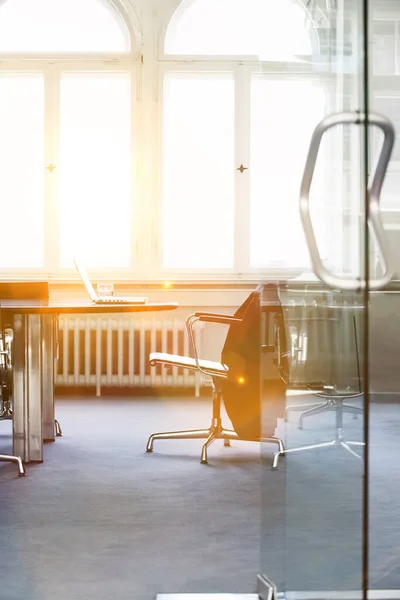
115,352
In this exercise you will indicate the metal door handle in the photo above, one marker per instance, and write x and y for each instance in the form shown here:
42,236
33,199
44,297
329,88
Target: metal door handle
374,190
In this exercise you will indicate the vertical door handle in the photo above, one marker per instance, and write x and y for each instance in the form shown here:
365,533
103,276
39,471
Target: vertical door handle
374,190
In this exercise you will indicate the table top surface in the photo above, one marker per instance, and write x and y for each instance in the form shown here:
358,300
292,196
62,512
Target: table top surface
74,306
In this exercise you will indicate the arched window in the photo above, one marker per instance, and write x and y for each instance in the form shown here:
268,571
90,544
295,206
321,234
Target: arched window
228,133
270,29
66,125
61,26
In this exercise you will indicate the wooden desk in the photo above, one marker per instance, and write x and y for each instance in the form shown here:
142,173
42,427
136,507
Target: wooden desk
34,345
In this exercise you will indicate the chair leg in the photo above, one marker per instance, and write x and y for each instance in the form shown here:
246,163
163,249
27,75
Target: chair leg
310,405
57,428
190,434
215,432
354,410
14,459
275,440
319,408
338,440
211,438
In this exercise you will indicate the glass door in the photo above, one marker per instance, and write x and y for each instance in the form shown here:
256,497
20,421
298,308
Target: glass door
315,329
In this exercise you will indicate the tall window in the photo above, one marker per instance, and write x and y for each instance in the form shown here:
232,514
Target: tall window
240,105
66,140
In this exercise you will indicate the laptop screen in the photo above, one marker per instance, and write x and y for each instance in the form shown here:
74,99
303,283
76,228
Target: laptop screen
85,278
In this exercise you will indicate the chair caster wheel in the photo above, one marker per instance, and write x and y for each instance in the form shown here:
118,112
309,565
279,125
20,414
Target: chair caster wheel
204,462
21,474
149,450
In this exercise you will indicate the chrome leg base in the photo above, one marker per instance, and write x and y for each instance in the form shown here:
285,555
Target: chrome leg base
191,434
14,459
215,432
57,428
316,410
275,440
337,441
308,406
211,438
332,404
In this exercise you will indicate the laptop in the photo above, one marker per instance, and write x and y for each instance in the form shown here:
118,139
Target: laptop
96,299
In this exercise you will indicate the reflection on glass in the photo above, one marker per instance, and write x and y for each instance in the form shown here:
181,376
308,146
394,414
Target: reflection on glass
312,528
95,169
383,54
22,169
198,171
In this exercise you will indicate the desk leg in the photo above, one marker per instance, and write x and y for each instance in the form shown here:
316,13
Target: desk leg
48,329
27,418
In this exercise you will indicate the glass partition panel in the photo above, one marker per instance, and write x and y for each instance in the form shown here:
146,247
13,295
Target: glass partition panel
384,325
313,375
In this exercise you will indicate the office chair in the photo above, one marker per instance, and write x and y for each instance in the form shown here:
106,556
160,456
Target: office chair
325,360
6,412
10,290
6,379
304,332
235,380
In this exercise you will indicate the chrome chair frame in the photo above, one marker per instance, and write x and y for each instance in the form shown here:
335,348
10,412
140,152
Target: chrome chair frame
217,372
6,412
338,440
333,401
330,404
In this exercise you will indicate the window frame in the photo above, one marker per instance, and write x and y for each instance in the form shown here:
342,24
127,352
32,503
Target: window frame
242,71
52,71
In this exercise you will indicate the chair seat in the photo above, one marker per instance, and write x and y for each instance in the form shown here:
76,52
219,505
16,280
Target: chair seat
175,360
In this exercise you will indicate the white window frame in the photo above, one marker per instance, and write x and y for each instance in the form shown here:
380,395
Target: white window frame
242,72
52,71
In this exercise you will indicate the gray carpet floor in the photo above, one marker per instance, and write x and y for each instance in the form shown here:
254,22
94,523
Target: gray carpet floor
101,519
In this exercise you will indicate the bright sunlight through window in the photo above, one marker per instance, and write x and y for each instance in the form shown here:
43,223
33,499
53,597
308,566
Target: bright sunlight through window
21,169
273,30
61,26
95,174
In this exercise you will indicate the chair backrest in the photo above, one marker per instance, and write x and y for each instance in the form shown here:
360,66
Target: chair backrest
324,334
244,390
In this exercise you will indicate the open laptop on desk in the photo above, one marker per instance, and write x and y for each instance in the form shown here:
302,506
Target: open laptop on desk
96,299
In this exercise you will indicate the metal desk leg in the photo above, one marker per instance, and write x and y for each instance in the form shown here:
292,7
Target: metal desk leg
27,420
48,324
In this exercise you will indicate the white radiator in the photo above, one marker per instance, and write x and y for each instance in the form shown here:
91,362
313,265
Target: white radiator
115,352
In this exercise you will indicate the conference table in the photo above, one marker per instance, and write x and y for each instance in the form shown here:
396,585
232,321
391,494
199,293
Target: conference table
34,348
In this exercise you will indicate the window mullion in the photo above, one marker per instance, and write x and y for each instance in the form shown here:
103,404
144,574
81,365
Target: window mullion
148,230
51,169
136,146
242,177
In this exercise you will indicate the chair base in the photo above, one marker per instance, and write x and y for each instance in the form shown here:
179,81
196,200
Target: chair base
215,432
7,414
14,459
331,404
338,440
58,428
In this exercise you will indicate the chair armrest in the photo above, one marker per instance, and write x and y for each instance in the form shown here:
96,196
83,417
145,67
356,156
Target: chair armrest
210,318
216,318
